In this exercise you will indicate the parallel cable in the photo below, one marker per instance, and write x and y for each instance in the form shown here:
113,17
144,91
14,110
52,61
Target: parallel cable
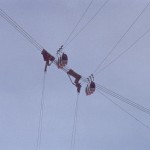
123,52
122,109
37,45
99,10
38,142
78,22
5,16
40,48
117,43
73,135
20,30
123,99
114,94
127,101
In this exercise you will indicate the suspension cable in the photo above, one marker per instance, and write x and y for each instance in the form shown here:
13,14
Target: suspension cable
27,36
78,22
118,96
123,52
123,99
99,10
117,43
38,142
20,30
30,39
73,135
122,109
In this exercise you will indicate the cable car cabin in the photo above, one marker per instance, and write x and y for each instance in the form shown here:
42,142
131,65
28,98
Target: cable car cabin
47,58
90,88
62,60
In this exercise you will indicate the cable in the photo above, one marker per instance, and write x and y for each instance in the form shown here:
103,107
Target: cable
78,22
25,34
65,69
73,135
37,45
20,30
131,103
114,47
122,109
99,10
123,99
38,143
137,40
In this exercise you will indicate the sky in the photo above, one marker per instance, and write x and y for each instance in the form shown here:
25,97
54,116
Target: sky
100,125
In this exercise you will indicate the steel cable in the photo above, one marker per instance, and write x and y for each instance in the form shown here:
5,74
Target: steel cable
123,99
123,52
122,109
117,43
20,30
38,142
99,10
73,135
78,22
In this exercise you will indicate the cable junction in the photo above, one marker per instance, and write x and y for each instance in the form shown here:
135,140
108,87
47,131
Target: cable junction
48,58
61,63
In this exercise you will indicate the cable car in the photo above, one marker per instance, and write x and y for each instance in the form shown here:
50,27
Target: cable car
62,58
90,88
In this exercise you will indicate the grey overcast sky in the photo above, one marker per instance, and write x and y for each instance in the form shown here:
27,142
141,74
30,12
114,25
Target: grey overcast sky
101,125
